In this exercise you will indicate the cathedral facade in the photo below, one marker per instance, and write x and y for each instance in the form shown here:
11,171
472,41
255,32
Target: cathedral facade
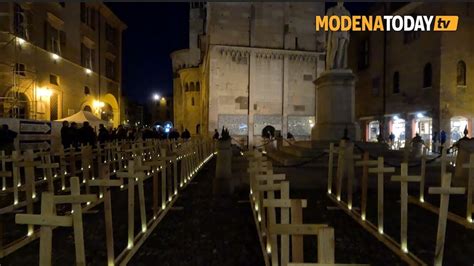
249,66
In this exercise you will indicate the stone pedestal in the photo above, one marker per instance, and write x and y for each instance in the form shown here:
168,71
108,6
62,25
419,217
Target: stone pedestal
222,183
335,103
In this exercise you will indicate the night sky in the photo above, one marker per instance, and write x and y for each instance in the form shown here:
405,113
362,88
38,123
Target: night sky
154,31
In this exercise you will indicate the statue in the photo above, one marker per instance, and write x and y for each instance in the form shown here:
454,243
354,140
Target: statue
337,42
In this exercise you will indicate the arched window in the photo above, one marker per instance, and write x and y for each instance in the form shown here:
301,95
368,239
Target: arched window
198,86
191,87
396,82
461,74
427,76
186,87
87,108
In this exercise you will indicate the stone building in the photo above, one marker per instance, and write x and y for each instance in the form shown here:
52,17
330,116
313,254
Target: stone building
59,58
249,65
415,82
161,110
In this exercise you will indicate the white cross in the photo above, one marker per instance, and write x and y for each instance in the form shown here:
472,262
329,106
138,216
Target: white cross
380,170
404,178
445,190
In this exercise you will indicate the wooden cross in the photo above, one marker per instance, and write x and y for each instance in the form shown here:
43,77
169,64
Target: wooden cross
423,174
48,167
445,190
29,165
380,170
16,160
404,178
324,233
87,165
47,220
340,168
295,207
4,159
332,151
444,159
156,165
132,174
470,184
62,166
270,188
105,183
76,211
365,163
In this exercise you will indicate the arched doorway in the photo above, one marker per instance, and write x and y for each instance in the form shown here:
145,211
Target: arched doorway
268,132
107,113
87,108
458,125
374,131
113,110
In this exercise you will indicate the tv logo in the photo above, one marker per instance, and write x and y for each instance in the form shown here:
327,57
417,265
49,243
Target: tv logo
446,23
387,23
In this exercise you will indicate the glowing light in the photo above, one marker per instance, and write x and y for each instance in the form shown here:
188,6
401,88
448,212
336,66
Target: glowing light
98,104
55,57
156,97
130,245
422,199
338,198
88,71
43,92
469,219
20,41
420,115
329,191
269,248
395,117
349,206
144,229
363,217
30,233
381,230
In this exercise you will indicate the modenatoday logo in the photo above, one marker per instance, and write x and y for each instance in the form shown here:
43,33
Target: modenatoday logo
387,23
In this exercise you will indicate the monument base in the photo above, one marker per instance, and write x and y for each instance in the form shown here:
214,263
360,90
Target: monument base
335,132
335,108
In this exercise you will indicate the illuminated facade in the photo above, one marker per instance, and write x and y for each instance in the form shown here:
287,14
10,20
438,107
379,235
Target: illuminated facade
249,65
59,58
415,82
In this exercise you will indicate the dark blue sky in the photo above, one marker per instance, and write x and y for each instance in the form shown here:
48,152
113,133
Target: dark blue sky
154,31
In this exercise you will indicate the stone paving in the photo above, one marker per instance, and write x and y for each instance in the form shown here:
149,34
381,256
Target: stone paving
204,230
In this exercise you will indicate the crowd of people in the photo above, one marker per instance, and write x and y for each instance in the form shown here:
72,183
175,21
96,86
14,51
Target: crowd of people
71,134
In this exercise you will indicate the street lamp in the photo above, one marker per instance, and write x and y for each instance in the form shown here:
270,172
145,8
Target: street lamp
156,97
